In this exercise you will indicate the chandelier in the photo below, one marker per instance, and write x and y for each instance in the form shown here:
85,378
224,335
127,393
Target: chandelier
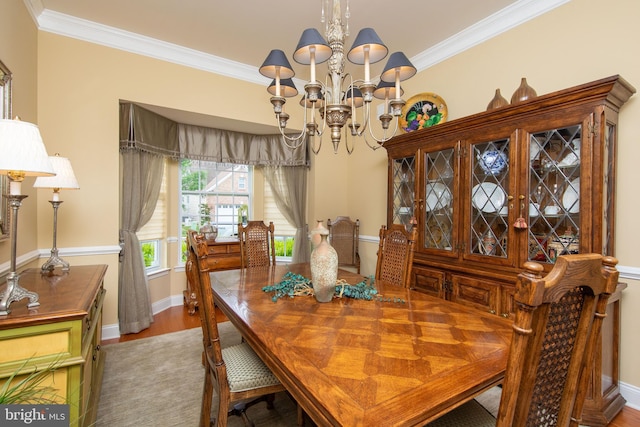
341,99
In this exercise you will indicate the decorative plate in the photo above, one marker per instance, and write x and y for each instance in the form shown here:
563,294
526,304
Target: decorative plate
422,111
492,161
488,197
571,197
438,196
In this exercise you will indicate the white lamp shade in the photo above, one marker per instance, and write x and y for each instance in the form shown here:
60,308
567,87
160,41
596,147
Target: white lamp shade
22,149
64,177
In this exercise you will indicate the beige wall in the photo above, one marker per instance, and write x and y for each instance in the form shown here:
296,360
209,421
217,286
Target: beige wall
79,86
19,54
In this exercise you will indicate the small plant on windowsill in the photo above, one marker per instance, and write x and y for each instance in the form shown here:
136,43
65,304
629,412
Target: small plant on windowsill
30,388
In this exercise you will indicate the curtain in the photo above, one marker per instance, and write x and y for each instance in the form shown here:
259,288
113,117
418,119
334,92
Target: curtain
223,146
145,130
141,180
147,137
289,187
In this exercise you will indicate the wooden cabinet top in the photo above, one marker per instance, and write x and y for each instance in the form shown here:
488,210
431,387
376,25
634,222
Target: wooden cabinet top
614,91
62,295
224,241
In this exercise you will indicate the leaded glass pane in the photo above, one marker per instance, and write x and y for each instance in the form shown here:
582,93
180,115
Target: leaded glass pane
554,193
489,198
403,191
438,202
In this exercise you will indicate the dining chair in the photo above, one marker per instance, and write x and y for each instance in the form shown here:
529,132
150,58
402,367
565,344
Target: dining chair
343,236
395,254
236,373
256,244
557,325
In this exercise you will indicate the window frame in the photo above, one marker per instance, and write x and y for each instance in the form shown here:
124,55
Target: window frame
230,197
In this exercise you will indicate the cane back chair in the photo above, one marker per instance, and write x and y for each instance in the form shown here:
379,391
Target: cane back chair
257,244
395,254
236,372
343,236
556,328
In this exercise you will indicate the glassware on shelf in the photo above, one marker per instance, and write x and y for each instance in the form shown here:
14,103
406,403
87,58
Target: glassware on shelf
552,209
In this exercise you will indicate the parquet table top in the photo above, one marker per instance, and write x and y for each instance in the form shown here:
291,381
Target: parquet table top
364,363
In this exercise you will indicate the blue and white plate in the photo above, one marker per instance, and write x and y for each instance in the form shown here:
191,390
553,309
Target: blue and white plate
493,162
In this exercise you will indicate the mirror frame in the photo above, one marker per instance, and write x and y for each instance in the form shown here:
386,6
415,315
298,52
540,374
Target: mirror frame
5,113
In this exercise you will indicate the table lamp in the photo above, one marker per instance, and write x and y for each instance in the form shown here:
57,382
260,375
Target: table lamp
22,153
64,178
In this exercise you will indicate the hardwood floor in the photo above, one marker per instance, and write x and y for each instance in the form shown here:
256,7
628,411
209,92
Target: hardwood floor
176,319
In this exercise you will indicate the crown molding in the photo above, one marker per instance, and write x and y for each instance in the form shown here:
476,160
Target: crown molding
92,32
494,25
69,26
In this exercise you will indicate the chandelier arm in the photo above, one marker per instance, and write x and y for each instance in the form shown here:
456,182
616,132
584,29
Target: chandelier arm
287,137
324,119
313,144
384,138
373,147
297,139
346,142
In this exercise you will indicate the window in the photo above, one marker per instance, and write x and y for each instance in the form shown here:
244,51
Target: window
152,235
151,253
216,193
284,232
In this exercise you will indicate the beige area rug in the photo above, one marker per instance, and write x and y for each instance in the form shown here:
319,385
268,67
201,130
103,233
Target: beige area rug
158,381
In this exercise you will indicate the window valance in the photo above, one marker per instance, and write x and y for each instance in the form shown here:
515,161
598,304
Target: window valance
144,130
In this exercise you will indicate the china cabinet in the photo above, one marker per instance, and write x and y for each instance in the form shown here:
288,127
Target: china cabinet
529,181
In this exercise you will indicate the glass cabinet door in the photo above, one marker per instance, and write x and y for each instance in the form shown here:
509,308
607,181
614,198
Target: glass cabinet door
490,201
403,181
554,193
438,203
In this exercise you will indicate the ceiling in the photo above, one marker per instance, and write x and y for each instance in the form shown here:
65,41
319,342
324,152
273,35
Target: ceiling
234,38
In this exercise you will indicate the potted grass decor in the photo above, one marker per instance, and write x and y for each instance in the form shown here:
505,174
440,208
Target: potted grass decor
21,387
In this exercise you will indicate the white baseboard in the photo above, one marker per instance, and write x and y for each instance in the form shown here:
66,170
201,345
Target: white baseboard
631,394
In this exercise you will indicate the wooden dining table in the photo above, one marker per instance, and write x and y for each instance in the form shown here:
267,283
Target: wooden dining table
401,359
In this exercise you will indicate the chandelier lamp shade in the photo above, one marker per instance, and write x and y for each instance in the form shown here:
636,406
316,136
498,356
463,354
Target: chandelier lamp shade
64,179
22,153
340,99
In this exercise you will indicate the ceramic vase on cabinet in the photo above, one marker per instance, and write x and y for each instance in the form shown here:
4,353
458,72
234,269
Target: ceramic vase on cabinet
324,266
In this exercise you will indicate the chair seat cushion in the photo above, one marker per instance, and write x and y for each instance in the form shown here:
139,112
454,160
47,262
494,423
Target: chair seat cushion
471,414
245,370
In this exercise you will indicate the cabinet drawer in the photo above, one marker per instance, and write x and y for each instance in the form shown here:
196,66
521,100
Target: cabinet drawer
224,262
224,248
428,281
483,295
